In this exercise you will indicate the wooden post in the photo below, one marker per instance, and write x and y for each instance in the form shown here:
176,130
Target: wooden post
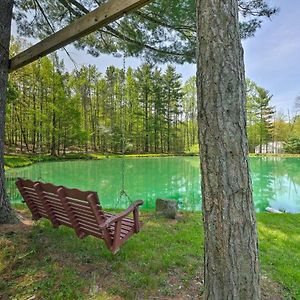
101,16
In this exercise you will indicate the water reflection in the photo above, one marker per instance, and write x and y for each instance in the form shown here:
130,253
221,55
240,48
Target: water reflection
276,181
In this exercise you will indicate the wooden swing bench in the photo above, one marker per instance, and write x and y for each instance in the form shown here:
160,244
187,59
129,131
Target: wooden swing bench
79,210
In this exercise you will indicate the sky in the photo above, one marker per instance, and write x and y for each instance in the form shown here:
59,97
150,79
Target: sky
272,57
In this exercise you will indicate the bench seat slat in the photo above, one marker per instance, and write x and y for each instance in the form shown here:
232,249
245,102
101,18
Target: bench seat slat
55,205
52,199
78,201
39,207
77,205
57,210
26,188
64,222
88,225
128,220
44,214
92,232
62,214
82,211
87,219
32,195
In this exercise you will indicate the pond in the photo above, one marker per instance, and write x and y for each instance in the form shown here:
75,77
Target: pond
276,181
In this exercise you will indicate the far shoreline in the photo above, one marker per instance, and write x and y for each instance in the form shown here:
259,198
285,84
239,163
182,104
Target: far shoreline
24,160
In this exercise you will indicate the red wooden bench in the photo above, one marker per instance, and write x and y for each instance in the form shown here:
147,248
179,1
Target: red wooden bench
79,210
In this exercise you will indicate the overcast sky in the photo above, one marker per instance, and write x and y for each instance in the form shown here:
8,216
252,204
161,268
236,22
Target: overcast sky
272,57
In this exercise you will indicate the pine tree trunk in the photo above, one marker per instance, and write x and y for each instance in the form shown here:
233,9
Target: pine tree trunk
6,213
231,247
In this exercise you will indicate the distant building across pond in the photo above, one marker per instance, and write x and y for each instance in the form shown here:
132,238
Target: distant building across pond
271,147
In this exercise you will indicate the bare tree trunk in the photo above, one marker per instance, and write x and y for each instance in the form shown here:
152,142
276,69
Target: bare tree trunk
6,212
231,247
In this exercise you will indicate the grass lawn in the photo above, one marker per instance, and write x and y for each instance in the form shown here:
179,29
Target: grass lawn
164,261
12,161
23,160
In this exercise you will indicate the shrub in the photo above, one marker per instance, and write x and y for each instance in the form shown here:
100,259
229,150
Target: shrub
292,145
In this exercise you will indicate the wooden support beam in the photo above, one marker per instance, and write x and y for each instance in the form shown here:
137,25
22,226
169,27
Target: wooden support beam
101,16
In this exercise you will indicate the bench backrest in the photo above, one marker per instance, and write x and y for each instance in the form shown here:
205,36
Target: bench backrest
83,209
32,199
71,207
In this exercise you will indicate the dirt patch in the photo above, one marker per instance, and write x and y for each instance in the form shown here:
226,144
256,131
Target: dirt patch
271,290
25,224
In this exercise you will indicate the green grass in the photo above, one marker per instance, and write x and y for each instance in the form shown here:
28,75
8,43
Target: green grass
17,161
163,260
47,262
279,237
284,155
14,161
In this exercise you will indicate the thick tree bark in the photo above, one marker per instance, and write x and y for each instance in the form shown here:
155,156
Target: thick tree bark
231,248
6,213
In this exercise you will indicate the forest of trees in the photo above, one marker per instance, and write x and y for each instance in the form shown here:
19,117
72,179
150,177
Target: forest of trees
54,111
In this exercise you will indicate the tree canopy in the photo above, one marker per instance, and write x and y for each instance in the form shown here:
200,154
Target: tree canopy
163,31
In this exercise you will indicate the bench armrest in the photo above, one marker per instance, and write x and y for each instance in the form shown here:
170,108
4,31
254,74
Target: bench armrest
132,208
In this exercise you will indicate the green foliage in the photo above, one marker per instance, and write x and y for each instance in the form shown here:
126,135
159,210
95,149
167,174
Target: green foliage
194,149
295,127
163,31
264,125
259,115
12,92
190,112
292,145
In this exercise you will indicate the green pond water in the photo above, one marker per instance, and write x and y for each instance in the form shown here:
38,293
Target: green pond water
276,181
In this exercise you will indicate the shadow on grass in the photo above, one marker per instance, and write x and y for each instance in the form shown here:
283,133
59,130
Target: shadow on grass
163,260
279,244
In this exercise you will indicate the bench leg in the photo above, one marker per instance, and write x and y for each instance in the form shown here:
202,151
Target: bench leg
115,250
55,224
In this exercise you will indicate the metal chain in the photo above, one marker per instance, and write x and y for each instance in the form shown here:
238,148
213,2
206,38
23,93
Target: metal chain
40,127
123,194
